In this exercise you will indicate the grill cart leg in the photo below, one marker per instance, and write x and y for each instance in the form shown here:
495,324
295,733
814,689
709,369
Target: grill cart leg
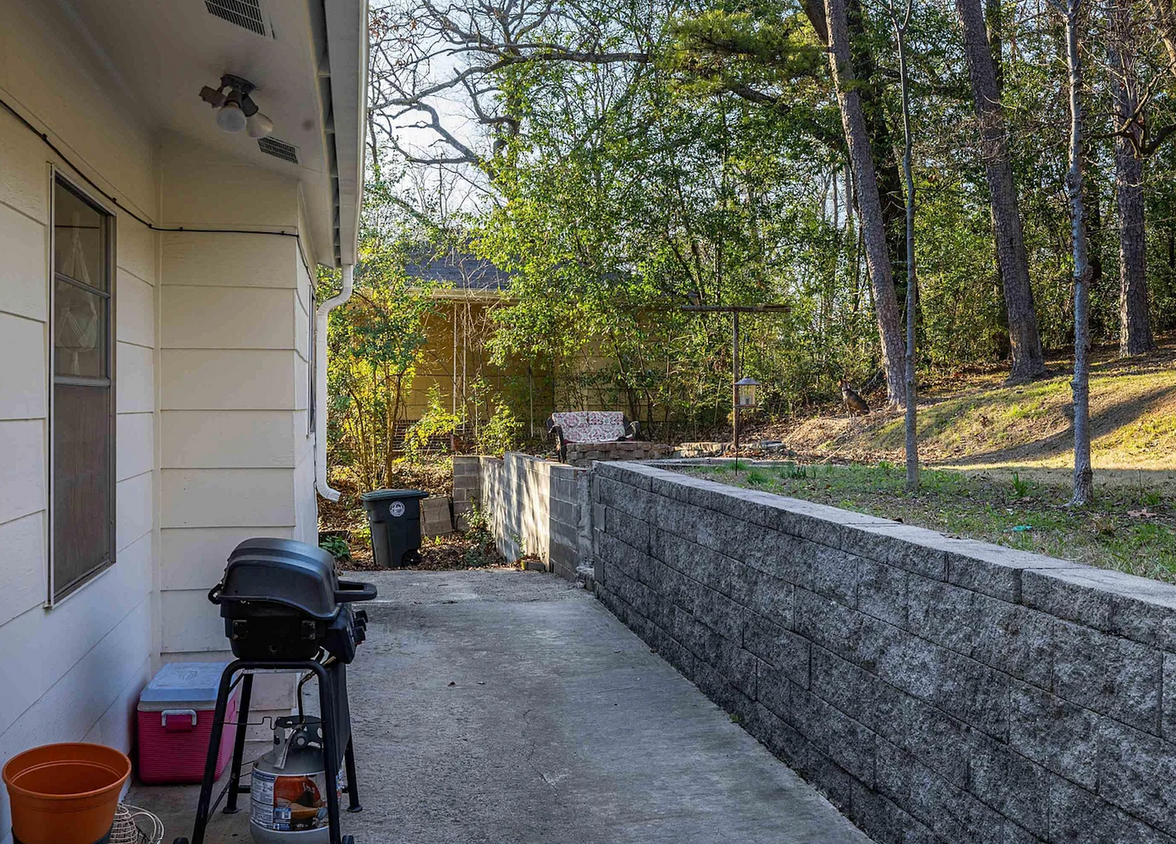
239,745
330,752
352,788
218,728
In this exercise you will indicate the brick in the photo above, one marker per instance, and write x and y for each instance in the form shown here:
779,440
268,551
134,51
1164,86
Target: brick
1054,733
1113,676
779,647
633,501
625,557
674,587
1011,784
633,475
1137,773
1077,816
775,734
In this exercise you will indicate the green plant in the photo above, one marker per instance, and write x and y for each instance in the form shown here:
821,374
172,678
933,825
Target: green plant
758,477
436,421
1020,487
337,547
501,431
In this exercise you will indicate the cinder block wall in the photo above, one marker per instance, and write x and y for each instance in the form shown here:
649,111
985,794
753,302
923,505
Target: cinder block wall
536,507
937,690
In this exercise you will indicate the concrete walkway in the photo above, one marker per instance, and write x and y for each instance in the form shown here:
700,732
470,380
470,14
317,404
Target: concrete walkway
503,707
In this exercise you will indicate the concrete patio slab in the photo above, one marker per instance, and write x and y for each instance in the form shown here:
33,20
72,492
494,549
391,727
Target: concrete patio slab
500,706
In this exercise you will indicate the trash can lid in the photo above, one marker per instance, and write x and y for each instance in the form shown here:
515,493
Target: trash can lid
390,494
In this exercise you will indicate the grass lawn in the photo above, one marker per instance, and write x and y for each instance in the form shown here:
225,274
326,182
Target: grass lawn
1132,529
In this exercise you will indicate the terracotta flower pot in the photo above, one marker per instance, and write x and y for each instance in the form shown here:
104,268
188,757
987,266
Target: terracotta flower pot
65,793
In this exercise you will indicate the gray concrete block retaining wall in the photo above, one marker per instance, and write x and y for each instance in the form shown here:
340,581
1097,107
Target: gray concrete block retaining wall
535,507
937,690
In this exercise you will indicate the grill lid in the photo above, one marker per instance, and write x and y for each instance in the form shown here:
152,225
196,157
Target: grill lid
288,573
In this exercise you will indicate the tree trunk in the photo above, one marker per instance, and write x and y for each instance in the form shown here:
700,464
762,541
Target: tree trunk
1083,473
1135,336
911,421
1024,339
869,205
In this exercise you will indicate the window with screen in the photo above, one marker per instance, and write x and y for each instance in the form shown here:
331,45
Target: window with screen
82,408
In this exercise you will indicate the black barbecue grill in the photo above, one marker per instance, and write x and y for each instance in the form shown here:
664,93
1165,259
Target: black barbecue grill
286,610
281,599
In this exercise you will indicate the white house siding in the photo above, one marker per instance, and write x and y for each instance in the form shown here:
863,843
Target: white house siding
72,672
236,458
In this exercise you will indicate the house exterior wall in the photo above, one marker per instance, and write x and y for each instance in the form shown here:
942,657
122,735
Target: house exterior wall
72,672
236,449
212,391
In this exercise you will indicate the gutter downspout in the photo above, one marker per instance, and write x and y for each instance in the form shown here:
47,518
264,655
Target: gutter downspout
320,383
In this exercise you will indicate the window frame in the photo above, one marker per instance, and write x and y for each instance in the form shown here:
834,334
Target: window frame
109,217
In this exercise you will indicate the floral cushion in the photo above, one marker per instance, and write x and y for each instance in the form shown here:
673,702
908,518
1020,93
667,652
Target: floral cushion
591,426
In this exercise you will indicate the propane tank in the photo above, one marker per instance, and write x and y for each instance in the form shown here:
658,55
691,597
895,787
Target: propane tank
287,792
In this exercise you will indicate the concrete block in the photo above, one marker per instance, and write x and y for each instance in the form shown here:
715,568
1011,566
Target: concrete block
847,688
1113,602
944,613
771,597
1168,715
774,691
1015,640
993,570
835,575
902,546
719,688
1112,676
846,741
436,519
633,474
629,530
950,812
882,591
1012,785
778,554
635,502
1137,773
780,648
940,742
1056,734
720,613
1080,816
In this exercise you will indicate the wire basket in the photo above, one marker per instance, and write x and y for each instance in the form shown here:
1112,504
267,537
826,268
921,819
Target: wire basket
133,825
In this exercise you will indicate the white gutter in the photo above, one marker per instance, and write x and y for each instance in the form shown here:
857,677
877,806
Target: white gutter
320,383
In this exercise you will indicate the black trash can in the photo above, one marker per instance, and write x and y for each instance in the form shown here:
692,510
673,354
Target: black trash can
395,517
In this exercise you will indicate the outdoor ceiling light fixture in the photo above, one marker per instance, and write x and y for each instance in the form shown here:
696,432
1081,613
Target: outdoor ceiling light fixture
236,109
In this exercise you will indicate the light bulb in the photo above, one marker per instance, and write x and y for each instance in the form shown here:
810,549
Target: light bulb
258,125
230,117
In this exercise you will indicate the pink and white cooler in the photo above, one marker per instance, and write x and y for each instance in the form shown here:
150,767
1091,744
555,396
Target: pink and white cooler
175,723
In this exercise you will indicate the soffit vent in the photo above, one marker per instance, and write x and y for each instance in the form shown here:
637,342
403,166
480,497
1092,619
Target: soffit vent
278,149
244,13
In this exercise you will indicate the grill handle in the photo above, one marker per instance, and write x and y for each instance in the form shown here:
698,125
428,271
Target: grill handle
350,591
214,593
